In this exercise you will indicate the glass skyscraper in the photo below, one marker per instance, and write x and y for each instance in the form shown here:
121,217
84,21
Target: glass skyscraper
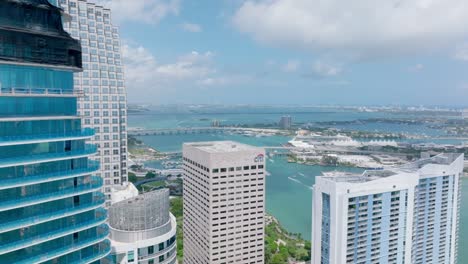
51,207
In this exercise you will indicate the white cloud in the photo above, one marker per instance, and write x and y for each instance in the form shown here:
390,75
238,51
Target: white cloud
144,72
325,69
144,11
462,52
291,66
362,27
212,81
194,28
416,68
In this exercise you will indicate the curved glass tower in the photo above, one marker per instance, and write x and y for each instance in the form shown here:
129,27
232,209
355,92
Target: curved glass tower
50,204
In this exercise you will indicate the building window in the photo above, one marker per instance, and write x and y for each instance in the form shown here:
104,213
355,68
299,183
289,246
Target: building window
131,256
150,250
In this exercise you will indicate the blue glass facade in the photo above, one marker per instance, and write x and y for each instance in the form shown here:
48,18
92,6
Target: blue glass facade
50,202
15,76
50,205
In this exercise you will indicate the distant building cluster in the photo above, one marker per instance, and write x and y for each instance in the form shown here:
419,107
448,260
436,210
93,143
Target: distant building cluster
465,114
215,123
285,122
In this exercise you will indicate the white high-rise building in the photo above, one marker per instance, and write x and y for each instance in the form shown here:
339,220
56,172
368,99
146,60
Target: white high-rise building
104,108
142,230
224,203
404,215
285,122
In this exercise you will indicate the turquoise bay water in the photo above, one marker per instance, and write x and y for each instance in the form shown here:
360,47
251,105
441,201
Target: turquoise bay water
154,120
289,196
288,192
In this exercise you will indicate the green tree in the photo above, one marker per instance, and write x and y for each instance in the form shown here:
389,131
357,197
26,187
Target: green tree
177,206
132,177
278,259
330,160
150,175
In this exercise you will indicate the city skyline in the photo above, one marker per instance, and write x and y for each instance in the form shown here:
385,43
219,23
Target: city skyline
256,133
214,53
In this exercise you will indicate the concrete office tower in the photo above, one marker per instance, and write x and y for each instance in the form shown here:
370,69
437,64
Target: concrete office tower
142,230
285,122
465,114
407,214
50,204
224,203
104,107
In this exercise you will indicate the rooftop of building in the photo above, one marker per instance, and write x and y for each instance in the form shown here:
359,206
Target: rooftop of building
34,32
143,212
220,146
371,175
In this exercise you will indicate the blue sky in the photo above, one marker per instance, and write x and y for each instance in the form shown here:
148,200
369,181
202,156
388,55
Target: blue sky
295,51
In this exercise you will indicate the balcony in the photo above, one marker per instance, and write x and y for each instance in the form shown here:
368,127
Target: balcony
38,118
48,157
72,248
40,92
31,139
94,185
37,179
159,253
103,251
170,260
42,218
29,242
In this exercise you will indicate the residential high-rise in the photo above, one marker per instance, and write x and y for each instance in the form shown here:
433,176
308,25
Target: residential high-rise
465,114
142,230
285,122
104,107
51,207
224,203
407,214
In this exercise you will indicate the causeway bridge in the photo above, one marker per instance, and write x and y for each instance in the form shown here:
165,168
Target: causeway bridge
198,130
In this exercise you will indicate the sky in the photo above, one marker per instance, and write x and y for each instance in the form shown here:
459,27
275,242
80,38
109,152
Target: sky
288,52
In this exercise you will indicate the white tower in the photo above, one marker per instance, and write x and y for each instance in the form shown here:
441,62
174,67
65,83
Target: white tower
224,203
104,108
408,214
